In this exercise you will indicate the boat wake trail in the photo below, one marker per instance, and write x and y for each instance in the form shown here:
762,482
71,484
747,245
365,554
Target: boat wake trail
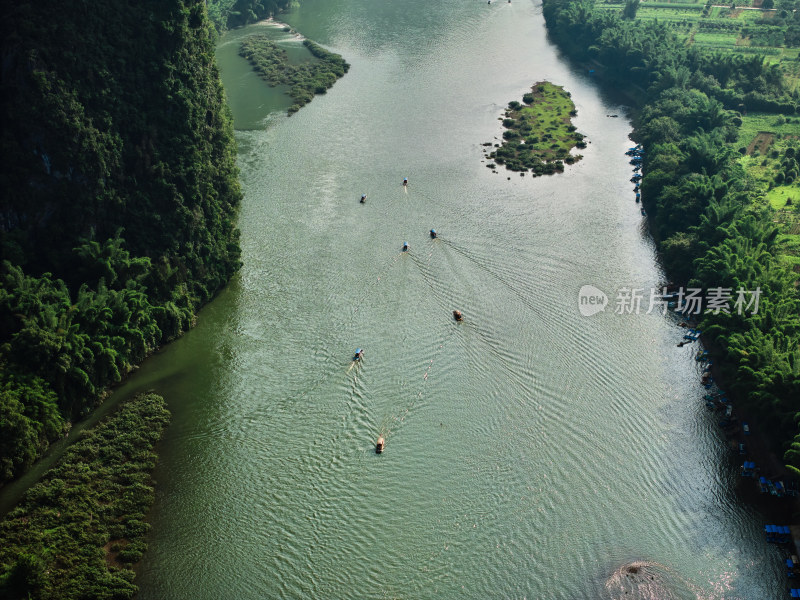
321,381
440,292
523,297
394,421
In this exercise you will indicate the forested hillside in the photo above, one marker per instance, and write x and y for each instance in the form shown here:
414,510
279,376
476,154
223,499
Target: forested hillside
708,210
118,190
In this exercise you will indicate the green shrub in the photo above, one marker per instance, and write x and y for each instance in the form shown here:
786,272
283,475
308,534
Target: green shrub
52,544
304,80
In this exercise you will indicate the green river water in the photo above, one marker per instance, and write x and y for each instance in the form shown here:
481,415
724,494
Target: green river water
531,452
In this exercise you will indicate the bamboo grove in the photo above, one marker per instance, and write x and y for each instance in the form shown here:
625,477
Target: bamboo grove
118,194
712,227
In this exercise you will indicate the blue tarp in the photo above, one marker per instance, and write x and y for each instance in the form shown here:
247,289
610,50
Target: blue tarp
778,534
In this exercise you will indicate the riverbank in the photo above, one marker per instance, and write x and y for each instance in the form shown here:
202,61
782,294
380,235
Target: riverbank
224,17
79,531
711,227
783,510
80,303
714,231
285,27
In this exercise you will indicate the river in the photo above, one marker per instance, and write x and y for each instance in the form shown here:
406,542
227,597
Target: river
531,452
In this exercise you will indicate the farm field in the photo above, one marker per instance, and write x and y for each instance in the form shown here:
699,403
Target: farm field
743,30
769,144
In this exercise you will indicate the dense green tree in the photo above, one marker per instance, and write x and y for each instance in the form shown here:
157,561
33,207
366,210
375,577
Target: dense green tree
226,14
630,9
701,207
118,196
29,419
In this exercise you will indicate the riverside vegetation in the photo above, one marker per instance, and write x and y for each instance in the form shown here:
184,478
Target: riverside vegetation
306,79
117,208
77,533
117,204
539,133
227,14
711,189
772,32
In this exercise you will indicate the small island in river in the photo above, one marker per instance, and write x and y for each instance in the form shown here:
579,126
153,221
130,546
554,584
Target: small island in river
305,79
539,133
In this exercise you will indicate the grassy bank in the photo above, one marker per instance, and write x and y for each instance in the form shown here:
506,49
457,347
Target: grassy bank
313,76
78,532
539,133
